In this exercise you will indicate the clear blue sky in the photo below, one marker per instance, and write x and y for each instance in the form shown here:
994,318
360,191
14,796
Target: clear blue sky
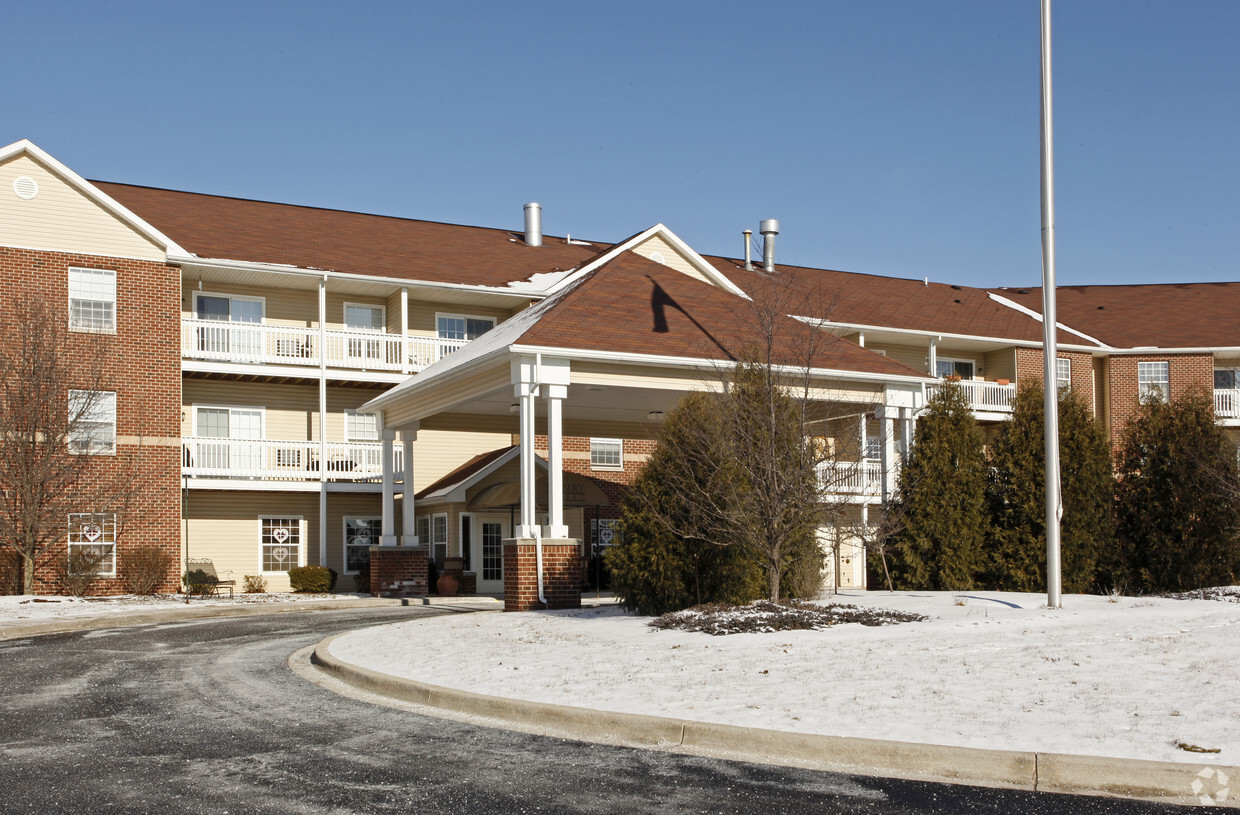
893,137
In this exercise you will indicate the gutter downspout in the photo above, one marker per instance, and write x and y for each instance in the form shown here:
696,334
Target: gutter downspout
323,420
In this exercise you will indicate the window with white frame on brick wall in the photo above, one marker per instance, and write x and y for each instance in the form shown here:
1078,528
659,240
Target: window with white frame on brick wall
92,300
606,454
92,422
93,533
1154,381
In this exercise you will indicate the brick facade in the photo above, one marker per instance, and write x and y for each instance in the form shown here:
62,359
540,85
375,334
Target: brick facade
398,571
562,575
1029,367
141,362
1187,373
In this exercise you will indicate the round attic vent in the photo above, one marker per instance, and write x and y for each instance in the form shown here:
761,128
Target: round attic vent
25,187
657,257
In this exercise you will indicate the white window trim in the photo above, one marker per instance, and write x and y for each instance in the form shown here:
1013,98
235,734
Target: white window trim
344,317
115,423
447,533
252,298
453,315
115,297
344,536
301,540
1058,382
613,467
262,423
1166,383
464,518
971,361
69,543
378,426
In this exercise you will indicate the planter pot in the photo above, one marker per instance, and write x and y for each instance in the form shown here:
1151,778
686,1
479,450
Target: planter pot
447,585
1003,381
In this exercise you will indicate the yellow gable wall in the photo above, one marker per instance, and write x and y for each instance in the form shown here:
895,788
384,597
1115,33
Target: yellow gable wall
60,219
655,245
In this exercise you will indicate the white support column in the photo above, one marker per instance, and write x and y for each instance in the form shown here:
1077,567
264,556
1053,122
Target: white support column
886,416
408,518
906,431
405,367
934,357
527,528
388,526
861,431
322,422
555,461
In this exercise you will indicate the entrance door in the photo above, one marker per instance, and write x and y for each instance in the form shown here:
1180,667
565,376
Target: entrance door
488,559
233,427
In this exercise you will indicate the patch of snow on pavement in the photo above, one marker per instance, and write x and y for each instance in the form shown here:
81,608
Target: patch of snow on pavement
30,609
1128,679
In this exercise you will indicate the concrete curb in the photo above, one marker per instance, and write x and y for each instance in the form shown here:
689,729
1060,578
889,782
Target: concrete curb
22,630
1159,781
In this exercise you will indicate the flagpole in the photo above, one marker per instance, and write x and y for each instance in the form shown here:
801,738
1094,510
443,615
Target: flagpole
1054,509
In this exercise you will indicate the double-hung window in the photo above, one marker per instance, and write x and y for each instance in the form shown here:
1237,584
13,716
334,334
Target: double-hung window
459,329
92,422
1154,381
606,454
1063,373
439,538
1226,379
92,300
92,542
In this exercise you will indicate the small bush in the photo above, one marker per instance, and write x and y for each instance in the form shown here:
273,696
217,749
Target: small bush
80,570
765,616
254,584
198,583
145,570
312,579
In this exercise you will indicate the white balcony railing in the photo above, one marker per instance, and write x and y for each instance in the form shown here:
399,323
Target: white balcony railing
851,477
987,397
258,343
265,459
1227,403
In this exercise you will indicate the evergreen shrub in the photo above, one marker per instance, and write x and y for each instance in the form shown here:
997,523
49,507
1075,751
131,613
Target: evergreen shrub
311,579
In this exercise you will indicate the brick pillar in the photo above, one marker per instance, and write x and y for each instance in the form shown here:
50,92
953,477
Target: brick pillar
562,571
398,571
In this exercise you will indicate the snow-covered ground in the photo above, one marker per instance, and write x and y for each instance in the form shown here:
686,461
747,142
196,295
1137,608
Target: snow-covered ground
32,609
1133,678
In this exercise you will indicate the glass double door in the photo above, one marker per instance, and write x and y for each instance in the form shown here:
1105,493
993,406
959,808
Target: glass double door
238,335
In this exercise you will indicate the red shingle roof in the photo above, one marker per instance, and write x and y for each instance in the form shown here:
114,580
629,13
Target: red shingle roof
259,231
862,299
635,305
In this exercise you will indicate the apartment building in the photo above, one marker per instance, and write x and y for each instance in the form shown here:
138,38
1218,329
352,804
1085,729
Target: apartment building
311,386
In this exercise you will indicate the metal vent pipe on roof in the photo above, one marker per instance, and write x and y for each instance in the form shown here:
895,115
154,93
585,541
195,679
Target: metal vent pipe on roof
769,229
533,224
748,233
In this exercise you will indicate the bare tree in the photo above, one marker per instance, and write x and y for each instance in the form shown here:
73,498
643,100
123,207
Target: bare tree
752,466
57,409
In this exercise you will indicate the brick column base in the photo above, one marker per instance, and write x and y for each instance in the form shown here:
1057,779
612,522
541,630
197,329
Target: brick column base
562,570
398,571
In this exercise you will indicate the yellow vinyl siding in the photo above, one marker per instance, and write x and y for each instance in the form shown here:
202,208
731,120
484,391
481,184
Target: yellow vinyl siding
225,527
671,258
911,355
296,308
437,453
61,219
1000,364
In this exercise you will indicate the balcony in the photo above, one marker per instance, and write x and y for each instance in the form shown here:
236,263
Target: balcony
851,478
268,460
986,397
261,344
1227,403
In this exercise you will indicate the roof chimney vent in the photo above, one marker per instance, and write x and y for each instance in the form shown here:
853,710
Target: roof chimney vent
769,229
533,224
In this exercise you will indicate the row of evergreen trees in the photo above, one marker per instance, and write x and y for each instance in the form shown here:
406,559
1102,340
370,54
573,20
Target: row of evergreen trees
1164,514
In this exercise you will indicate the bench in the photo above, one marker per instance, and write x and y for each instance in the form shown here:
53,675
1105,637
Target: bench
200,573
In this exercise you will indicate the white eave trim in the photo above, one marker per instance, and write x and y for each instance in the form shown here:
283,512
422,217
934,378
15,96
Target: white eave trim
705,362
941,335
301,271
695,260
92,192
1012,304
